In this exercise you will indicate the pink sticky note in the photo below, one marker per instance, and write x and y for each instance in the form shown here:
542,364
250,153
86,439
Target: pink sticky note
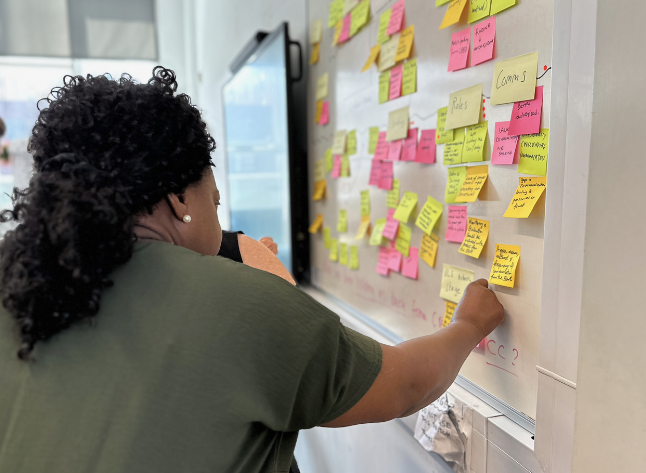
426,147
459,50
394,150
391,228
381,151
484,36
375,173
382,264
504,146
336,168
396,18
387,174
395,261
325,113
345,30
457,223
526,115
410,265
410,146
396,74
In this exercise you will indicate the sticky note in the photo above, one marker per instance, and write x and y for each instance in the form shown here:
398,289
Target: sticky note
316,32
526,115
394,151
475,238
329,162
409,148
464,107
314,57
504,145
343,254
382,148
382,264
392,198
384,20
345,29
456,226
360,16
456,178
349,5
388,53
454,281
365,203
441,2
336,168
503,270
476,178
396,75
372,57
351,142
342,223
354,258
411,263
373,137
533,153
319,110
405,44
453,150
449,310
335,13
322,86
426,147
375,173
325,113
428,250
443,136
337,32
527,194
429,215
345,165
474,143
364,226
453,13
316,224
394,261
409,85
334,249
392,226
484,37
327,237
319,170
514,79
387,174
338,147
396,18
384,86
459,50
406,207
319,190
499,5
402,243
397,124
478,9
377,231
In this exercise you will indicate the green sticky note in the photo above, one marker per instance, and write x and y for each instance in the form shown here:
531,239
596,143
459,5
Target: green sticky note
335,13
345,165
384,19
377,231
406,207
343,254
392,198
443,136
453,150
384,86
474,143
372,140
457,175
402,243
351,142
439,3
499,5
342,223
360,16
365,203
479,9
334,249
409,85
533,153
329,160
429,215
327,237
354,257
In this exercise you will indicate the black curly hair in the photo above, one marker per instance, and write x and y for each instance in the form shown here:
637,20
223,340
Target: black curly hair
105,151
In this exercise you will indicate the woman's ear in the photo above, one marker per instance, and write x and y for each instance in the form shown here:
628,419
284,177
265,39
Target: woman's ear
177,204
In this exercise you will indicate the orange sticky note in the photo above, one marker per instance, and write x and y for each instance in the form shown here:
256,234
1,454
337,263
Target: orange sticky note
314,58
453,13
372,57
503,271
317,224
476,178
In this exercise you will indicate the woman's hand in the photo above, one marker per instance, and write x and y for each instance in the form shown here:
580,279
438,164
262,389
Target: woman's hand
269,243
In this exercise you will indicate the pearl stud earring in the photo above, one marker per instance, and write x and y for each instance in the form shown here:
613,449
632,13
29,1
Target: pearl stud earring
187,219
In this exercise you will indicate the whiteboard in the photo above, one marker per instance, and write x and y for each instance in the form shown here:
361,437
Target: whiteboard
506,367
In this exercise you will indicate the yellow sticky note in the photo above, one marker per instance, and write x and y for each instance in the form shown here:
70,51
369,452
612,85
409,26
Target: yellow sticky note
319,190
329,160
464,107
499,5
372,139
405,43
503,270
527,194
343,254
337,32
406,207
354,258
514,79
448,313
314,58
351,142
442,135
476,178
322,86
402,243
533,153
441,2
397,124
384,19
429,215
360,17
409,85
475,238
342,223
384,86
364,226
478,9
454,183
327,237
316,224
454,281
365,203
388,53
428,250
345,165
453,150
474,143
377,231
372,57
335,13
453,13
334,249
392,197
316,32
338,147
349,5
319,110
319,170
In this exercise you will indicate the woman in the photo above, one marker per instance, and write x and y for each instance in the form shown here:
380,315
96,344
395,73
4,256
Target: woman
139,351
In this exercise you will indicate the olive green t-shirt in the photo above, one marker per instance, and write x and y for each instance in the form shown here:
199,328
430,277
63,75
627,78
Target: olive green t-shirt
194,364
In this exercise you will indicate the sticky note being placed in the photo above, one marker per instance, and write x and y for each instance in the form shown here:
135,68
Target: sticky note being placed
405,43
456,223
336,168
449,310
343,254
354,258
345,165
316,224
392,226
410,264
396,18
388,53
377,232
484,37
384,86
363,229
394,261
453,13
443,136
397,124
526,115
499,5
464,107
382,264
406,207
351,142
382,148
409,85
453,150
533,153
514,79
476,178
375,173
429,215
396,76
322,86
327,237
478,9
428,251
459,50
456,178
335,13
409,150
504,145
360,16
342,223
384,20
319,190
372,57
527,194
314,57
392,198
475,238
395,150
387,174
338,147
426,148
474,143
402,243
334,249
454,281
373,137
503,270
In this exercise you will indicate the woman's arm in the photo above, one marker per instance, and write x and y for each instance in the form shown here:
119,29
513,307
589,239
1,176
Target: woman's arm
258,256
